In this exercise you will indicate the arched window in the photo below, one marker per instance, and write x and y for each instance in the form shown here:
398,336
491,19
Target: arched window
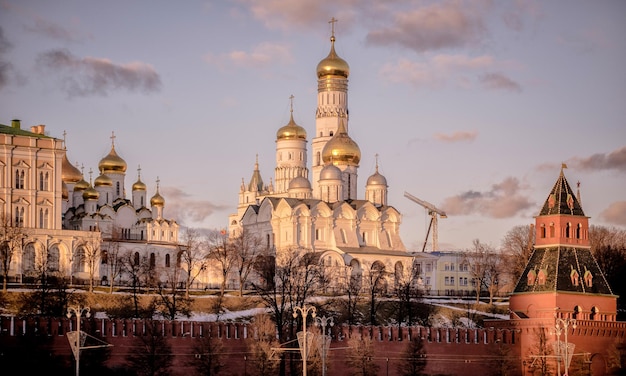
136,259
579,230
568,230
79,260
152,261
542,231
552,233
104,257
28,259
167,260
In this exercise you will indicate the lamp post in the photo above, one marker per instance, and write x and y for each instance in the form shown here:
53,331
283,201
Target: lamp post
78,312
323,322
561,326
304,311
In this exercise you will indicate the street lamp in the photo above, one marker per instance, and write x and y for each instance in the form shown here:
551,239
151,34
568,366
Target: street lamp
561,326
78,311
304,311
323,322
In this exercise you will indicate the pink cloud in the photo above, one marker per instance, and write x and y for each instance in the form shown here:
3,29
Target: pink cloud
615,213
615,160
457,136
499,81
261,56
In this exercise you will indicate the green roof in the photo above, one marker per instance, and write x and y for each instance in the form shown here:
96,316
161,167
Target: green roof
6,129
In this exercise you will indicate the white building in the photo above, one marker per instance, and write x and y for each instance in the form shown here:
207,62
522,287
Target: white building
323,213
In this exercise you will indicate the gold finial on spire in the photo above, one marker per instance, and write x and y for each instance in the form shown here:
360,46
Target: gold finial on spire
138,171
112,138
291,103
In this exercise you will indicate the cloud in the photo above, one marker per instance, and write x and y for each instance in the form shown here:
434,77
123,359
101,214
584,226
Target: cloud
499,81
6,68
288,15
182,207
615,213
504,200
46,28
264,55
438,70
615,160
457,136
433,27
95,76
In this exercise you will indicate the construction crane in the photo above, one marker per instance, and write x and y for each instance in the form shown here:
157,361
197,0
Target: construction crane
434,213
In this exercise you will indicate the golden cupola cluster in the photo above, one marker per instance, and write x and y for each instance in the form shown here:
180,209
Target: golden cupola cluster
333,65
112,162
341,149
291,131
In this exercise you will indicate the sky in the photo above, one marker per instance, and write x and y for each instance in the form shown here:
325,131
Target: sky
472,106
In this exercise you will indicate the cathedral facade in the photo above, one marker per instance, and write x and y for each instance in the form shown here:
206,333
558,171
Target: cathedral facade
318,209
71,228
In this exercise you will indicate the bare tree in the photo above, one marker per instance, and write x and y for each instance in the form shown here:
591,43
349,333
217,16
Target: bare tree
171,300
541,352
361,357
207,359
152,355
89,254
112,257
221,251
376,284
246,248
135,267
11,238
517,247
406,290
608,246
484,265
288,279
414,358
193,257
352,289
261,346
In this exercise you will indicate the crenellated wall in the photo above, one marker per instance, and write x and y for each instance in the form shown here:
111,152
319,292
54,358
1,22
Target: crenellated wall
449,350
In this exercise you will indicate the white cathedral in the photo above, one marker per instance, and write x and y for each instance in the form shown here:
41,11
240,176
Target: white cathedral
322,212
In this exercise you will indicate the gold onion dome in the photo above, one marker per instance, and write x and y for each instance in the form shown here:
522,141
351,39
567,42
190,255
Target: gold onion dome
341,149
112,162
90,194
139,185
103,181
333,65
291,131
157,200
81,185
69,173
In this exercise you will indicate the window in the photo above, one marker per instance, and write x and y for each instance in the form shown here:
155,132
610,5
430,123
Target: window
429,268
167,260
446,267
43,181
428,280
152,261
104,258
452,267
19,217
579,231
53,259
19,179
543,231
447,281
117,189
568,230
452,281
136,258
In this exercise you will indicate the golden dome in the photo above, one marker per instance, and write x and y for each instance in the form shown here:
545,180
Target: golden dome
157,200
112,162
90,194
333,65
103,181
81,185
64,192
291,131
139,185
341,149
69,173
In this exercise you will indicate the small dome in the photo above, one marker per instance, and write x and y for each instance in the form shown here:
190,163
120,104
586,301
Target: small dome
112,162
69,173
377,179
299,182
90,194
103,181
81,185
333,65
291,131
157,199
64,192
139,185
341,149
330,172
